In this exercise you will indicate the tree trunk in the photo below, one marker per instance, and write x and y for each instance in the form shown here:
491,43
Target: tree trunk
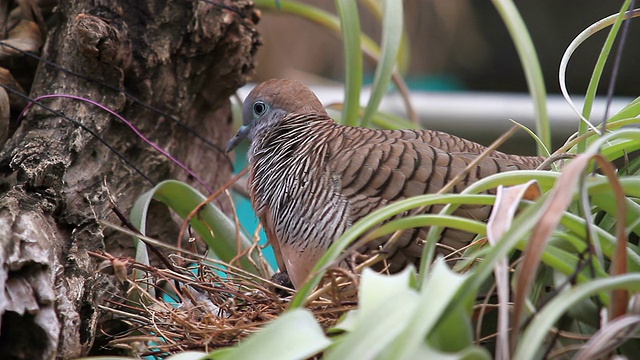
184,58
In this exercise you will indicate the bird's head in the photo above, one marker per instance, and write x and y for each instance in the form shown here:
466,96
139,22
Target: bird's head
269,103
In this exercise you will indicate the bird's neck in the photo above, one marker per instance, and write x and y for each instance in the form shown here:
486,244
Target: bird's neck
294,136
287,155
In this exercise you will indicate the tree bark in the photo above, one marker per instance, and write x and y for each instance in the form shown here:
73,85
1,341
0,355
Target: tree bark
182,57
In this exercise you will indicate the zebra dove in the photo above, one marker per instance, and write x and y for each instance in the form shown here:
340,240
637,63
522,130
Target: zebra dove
312,178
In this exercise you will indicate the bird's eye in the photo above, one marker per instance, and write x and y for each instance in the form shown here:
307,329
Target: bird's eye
259,108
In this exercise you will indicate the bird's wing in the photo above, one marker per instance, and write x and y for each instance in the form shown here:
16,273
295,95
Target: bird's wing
382,169
455,144
378,167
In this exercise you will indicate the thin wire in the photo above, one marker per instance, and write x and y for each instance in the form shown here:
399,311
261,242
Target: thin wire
135,129
129,96
83,127
616,68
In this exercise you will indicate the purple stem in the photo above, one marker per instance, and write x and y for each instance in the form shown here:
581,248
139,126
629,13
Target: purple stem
154,145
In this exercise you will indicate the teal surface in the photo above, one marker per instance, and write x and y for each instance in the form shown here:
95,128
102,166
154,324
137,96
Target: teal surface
247,216
433,82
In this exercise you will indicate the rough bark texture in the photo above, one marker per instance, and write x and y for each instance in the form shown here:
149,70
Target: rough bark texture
183,57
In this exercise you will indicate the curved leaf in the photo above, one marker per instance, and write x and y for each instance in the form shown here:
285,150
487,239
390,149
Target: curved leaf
215,228
293,335
392,25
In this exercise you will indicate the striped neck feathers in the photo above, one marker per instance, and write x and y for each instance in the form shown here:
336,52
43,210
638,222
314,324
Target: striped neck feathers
286,155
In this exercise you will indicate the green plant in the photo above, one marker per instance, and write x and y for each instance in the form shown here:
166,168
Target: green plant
577,237
566,255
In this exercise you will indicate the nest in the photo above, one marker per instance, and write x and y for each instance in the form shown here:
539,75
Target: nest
200,305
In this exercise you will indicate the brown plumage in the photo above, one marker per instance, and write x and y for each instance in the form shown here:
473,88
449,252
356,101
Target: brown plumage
312,178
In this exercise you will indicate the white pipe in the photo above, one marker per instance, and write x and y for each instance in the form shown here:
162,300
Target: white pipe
465,113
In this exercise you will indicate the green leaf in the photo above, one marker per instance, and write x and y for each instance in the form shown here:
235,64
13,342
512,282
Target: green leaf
616,21
376,288
392,25
188,355
533,337
217,230
387,303
446,284
108,358
470,353
390,121
530,65
453,332
630,111
293,335
350,25
373,219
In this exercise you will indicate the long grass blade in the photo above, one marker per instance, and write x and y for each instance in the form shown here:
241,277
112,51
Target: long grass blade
392,26
350,25
531,67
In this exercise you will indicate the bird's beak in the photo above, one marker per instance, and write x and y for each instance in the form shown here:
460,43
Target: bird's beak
238,137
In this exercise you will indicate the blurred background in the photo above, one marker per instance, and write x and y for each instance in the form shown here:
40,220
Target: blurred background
464,72
461,48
